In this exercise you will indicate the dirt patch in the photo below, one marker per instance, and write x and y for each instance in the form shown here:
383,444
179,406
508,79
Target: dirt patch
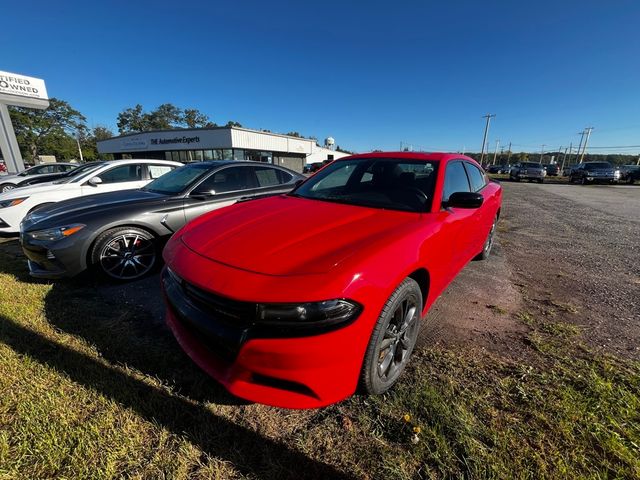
479,308
574,262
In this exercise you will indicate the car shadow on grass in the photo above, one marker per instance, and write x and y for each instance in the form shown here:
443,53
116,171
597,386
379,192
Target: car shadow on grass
250,452
173,393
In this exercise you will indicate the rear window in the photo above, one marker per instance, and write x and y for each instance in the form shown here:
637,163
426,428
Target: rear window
597,165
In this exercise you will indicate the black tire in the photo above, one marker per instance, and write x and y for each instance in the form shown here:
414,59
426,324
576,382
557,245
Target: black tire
397,327
488,244
541,180
125,253
5,187
584,181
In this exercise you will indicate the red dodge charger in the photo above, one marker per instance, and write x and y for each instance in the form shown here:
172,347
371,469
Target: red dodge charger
298,299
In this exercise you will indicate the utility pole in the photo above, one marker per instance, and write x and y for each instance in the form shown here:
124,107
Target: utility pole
488,116
584,147
495,153
564,158
542,152
79,149
509,157
579,145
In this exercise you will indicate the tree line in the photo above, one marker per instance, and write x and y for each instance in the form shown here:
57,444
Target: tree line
60,129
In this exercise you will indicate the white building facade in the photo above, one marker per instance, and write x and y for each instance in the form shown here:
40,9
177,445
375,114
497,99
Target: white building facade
219,143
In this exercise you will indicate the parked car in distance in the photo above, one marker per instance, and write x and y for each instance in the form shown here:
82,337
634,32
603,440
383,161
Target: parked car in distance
527,171
499,169
108,177
122,233
55,177
9,182
314,167
296,299
629,173
552,169
593,172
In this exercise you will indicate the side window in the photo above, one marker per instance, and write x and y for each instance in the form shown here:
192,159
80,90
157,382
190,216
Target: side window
476,177
229,179
455,180
156,171
124,173
38,170
270,177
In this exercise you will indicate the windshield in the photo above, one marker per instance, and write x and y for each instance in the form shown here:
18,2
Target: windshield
80,173
387,183
68,176
597,166
531,165
179,179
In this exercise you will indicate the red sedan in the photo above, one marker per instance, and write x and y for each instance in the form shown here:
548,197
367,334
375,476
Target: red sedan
297,300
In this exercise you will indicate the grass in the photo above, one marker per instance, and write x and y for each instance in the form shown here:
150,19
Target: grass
89,389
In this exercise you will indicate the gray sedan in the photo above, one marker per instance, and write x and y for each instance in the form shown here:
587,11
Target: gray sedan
122,233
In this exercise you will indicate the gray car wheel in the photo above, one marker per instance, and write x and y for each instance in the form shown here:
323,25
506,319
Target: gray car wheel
5,187
125,253
393,338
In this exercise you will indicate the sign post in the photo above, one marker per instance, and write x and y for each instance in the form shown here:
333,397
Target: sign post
19,91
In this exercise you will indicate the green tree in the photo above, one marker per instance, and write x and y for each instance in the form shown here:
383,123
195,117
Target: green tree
164,117
231,123
194,118
132,120
90,141
48,132
294,134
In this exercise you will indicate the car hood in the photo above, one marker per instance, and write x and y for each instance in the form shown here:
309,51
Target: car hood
97,206
292,236
37,189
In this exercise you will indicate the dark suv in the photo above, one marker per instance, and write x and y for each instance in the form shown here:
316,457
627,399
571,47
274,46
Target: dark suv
593,172
527,171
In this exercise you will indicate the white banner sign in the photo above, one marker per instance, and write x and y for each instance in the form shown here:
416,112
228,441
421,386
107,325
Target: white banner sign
21,86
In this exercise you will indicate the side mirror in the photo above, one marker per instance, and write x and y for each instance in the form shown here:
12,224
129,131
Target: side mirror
95,181
464,200
203,195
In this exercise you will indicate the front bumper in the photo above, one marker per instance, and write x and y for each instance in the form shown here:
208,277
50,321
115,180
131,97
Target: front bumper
52,260
601,178
303,372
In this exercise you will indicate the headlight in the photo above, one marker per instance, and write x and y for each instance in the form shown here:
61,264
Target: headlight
12,202
57,233
326,314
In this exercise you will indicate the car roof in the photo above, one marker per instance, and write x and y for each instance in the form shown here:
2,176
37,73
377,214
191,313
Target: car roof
140,160
426,156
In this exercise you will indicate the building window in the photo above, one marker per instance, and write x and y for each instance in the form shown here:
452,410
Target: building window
217,154
238,154
197,155
182,156
227,154
167,156
208,155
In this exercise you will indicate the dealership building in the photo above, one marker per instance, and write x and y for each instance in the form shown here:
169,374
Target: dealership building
220,143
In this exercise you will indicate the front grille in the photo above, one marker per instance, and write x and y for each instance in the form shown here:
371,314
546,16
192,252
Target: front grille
216,321
230,311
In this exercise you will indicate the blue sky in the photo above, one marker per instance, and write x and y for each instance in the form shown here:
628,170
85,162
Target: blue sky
371,73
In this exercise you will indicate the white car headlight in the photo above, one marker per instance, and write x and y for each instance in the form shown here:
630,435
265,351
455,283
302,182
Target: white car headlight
57,233
12,202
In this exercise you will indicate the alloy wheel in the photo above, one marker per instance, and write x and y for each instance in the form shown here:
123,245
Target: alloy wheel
128,256
398,340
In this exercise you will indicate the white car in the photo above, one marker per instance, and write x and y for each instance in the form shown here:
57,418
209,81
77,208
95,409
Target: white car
108,177
9,182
